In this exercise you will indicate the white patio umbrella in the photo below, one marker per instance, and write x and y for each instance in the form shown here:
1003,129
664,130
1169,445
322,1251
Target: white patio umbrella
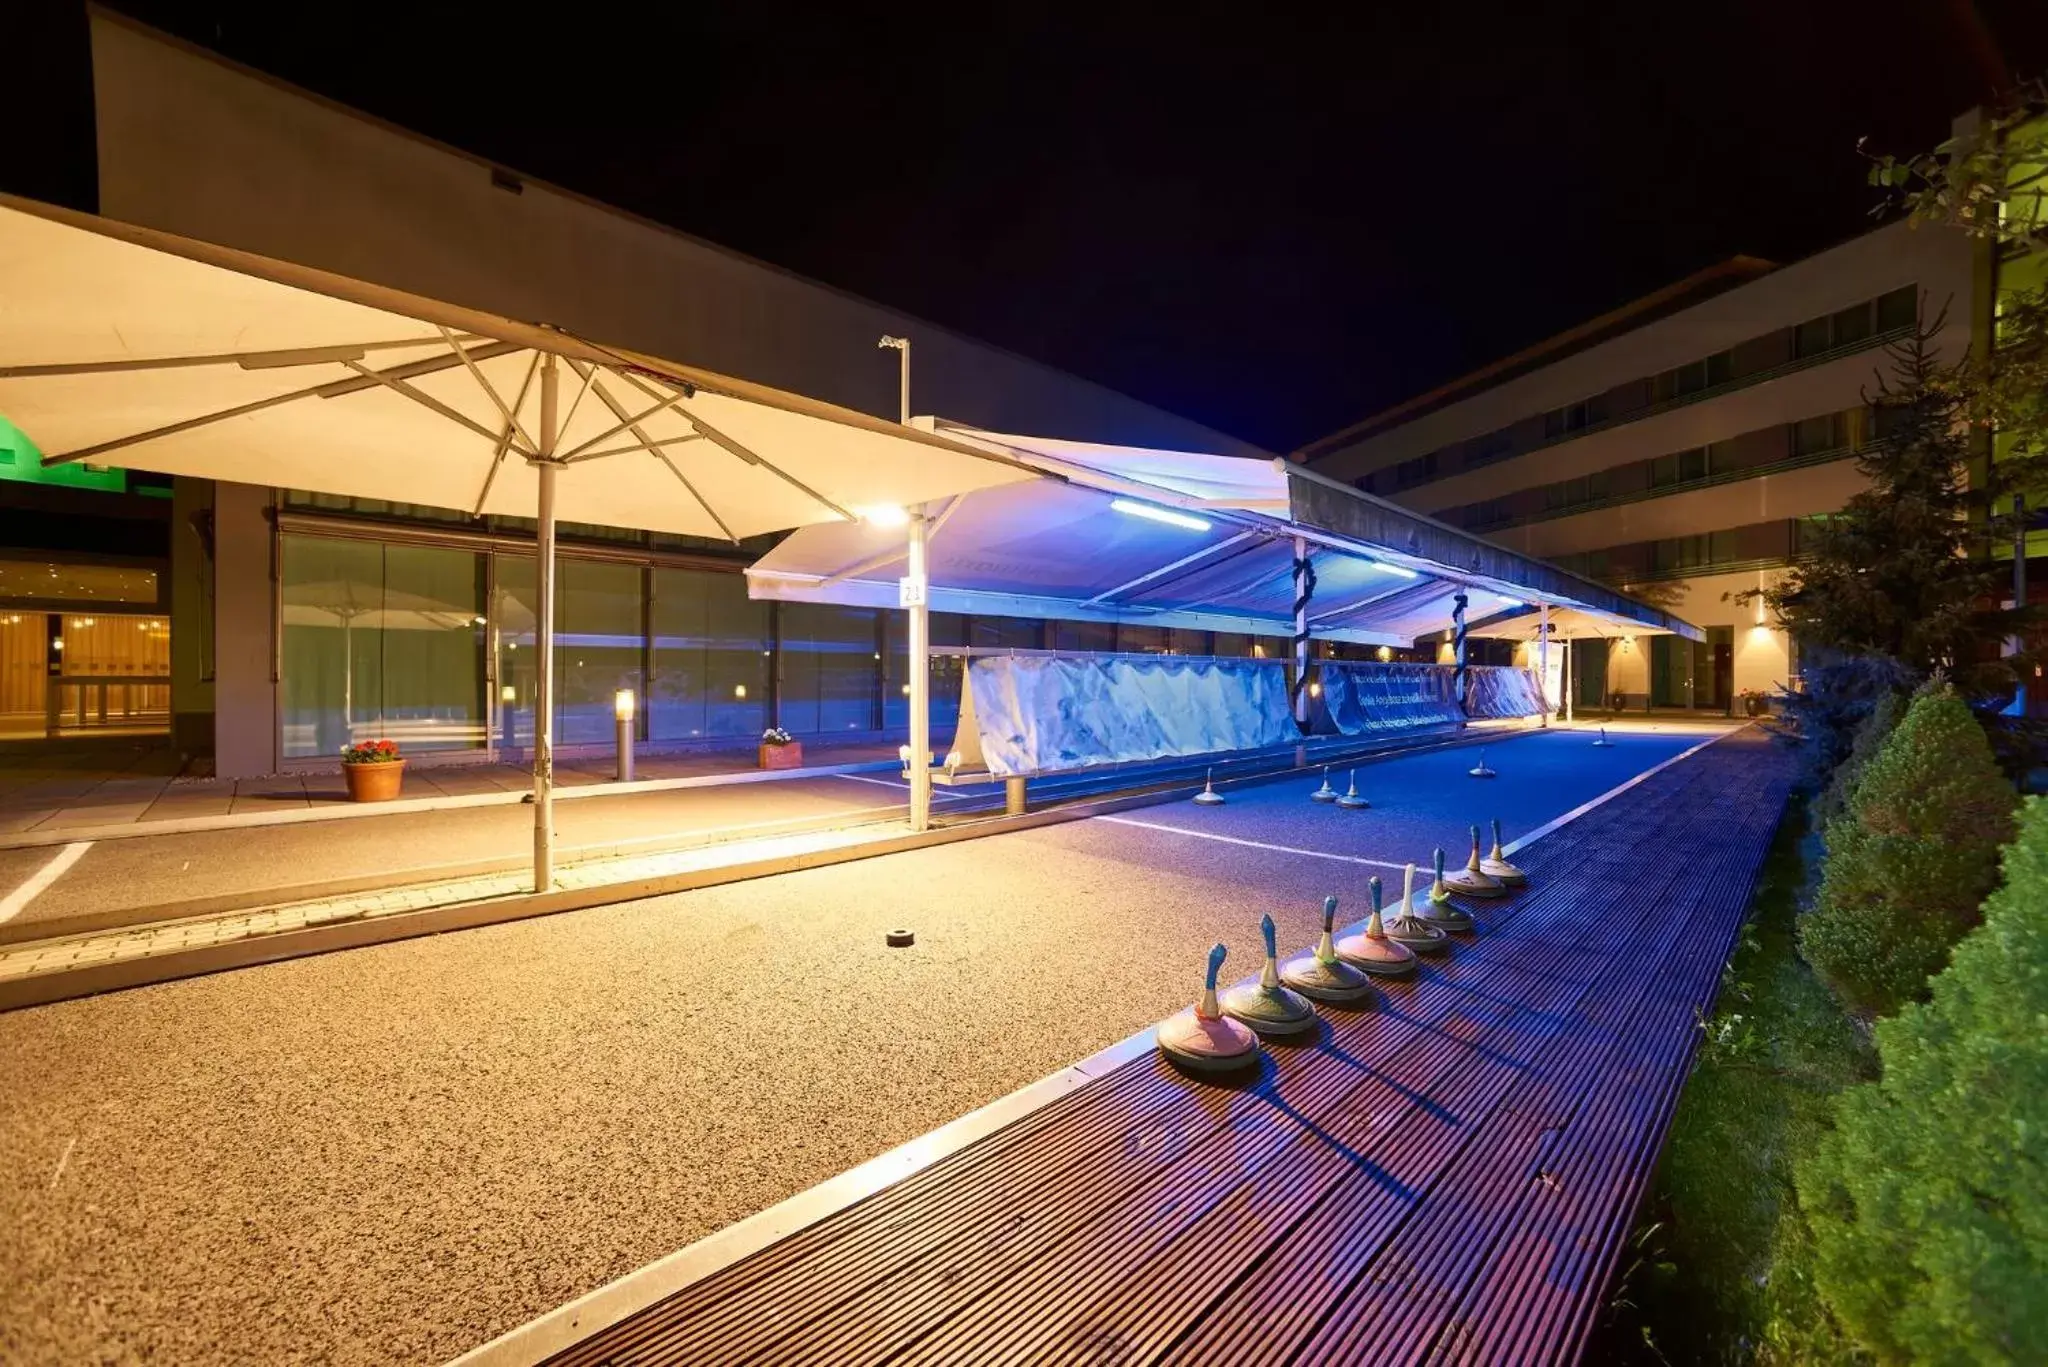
132,346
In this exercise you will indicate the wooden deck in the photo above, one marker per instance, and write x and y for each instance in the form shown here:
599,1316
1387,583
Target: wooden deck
1448,1176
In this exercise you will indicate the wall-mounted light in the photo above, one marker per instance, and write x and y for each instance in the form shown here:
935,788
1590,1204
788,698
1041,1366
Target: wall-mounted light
1386,654
884,515
1154,513
739,690
508,694
1315,690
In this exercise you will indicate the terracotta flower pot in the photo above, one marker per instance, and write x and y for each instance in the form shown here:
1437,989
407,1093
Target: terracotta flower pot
790,756
374,782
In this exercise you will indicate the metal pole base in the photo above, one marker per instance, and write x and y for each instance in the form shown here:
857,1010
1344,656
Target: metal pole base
1013,796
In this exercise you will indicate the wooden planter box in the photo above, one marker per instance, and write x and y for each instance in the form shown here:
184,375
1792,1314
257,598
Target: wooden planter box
374,782
790,756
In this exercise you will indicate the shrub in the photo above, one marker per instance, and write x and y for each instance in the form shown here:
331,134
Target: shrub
1868,738
1928,1203
1910,861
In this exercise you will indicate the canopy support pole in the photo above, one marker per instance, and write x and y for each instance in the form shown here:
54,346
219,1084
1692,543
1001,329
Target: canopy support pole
1543,661
1569,682
920,677
545,469
1304,589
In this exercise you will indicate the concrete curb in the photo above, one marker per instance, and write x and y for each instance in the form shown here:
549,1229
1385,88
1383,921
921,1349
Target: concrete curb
64,984
347,811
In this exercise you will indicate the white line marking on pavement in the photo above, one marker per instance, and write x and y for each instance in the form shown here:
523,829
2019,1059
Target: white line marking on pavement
900,786
58,1176
1252,844
17,901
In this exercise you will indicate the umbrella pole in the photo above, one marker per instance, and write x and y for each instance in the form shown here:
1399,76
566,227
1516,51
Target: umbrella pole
1543,663
1568,681
544,633
920,679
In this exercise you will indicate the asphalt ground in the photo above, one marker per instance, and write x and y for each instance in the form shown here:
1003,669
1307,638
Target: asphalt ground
392,1154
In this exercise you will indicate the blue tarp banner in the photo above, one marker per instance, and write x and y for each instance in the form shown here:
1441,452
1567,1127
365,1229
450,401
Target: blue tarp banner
1500,691
1362,698
1037,714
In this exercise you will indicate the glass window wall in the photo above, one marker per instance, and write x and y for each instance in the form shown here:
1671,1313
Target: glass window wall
600,634
831,668
711,657
381,641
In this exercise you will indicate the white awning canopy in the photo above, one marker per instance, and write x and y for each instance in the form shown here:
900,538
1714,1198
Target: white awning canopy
1183,539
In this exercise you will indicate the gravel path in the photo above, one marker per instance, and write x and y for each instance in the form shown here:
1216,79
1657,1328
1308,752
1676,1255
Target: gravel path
393,1154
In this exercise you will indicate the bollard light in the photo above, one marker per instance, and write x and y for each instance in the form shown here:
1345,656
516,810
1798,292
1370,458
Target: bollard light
622,713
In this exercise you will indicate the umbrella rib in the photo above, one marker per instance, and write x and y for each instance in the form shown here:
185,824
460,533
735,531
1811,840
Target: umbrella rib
248,360
510,415
425,400
333,389
732,447
629,450
625,423
618,410
505,439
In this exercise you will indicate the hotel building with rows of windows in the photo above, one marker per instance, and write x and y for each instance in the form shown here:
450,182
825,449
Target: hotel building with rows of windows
1679,447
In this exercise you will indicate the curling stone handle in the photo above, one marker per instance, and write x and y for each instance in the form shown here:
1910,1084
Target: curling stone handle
1216,956
1329,914
1267,934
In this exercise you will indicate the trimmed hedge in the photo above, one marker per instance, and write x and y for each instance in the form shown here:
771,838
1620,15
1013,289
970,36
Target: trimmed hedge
1911,860
1928,1204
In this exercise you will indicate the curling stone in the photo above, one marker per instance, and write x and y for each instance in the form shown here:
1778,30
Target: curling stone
1480,770
1373,950
1321,976
1325,793
1601,739
1469,881
1351,799
1497,867
1411,930
1265,1005
1202,1038
1209,797
1435,906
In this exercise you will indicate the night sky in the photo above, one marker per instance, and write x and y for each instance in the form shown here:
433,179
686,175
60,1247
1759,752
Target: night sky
1274,225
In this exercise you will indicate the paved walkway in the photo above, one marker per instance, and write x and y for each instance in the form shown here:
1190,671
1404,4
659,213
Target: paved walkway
109,783
1449,1176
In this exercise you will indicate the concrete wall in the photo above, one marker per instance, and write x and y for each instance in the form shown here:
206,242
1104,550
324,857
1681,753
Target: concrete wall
194,145
245,655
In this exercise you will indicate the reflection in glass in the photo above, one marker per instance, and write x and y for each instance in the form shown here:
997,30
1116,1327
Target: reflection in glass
711,661
830,668
949,629
598,638
381,641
